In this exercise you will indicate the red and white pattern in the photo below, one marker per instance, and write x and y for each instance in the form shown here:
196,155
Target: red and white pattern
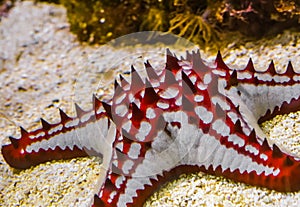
186,118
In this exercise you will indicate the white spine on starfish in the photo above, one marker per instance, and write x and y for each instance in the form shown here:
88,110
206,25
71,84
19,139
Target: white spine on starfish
244,75
207,78
201,86
163,105
219,73
236,140
251,149
55,129
127,125
263,77
296,78
178,101
144,130
205,115
198,98
127,166
221,101
193,79
134,150
150,113
264,157
41,134
221,128
120,146
72,123
281,79
120,98
121,110
170,92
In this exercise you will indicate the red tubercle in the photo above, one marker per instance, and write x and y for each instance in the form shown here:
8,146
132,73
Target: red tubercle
232,80
169,79
79,111
220,64
250,67
188,87
290,72
198,65
172,62
271,69
123,81
137,115
150,98
152,75
136,81
98,202
64,117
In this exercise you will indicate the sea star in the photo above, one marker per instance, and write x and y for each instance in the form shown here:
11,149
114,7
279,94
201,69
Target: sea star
185,118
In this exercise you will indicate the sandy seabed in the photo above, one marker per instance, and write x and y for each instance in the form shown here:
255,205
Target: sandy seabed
43,67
